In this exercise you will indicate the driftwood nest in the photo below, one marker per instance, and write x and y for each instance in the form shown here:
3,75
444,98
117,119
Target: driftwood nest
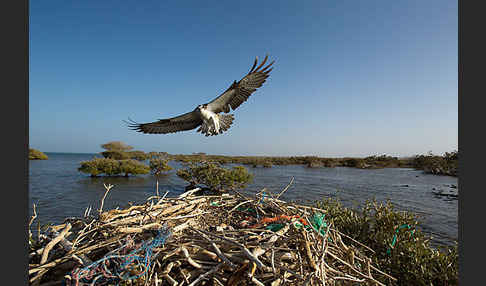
225,239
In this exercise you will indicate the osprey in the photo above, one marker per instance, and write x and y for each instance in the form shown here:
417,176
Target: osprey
207,116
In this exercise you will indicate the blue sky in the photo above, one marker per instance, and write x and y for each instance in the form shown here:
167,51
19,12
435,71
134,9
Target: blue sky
351,78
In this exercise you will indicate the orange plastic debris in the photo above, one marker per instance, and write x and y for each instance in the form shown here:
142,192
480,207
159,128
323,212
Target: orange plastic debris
303,221
265,220
277,218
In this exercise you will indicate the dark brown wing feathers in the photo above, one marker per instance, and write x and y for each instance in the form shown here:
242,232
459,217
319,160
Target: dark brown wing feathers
240,91
254,65
247,85
186,121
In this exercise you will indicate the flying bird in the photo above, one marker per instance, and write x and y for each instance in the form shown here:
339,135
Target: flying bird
207,116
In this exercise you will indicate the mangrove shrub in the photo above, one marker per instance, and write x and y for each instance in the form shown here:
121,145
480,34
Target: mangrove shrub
112,167
438,165
116,146
36,155
159,165
214,176
401,249
115,155
120,151
138,155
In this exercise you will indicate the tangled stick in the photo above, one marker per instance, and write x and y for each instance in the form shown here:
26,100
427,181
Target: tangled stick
31,221
108,188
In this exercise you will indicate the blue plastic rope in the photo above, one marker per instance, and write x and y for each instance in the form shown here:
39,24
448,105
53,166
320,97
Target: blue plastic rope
114,267
264,195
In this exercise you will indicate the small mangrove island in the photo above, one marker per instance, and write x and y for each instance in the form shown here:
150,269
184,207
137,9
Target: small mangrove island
118,160
35,154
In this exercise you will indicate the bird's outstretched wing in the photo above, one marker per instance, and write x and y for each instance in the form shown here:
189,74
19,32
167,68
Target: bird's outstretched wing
240,91
185,121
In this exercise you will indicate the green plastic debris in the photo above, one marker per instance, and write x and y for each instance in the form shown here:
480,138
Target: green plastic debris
275,227
395,236
214,204
297,225
318,223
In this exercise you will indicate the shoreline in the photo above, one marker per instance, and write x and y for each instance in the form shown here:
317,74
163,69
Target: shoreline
431,164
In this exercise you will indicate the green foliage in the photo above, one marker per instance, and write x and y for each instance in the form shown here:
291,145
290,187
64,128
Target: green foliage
257,162
152,154
115,155
449,167
439,165
310,161
159,165
98,166
329,163
35,154
411,260
111,167
355,162
381,158
134,167
118,150
214,176
452,156
138,155
267,164
313,162
116,146
385,161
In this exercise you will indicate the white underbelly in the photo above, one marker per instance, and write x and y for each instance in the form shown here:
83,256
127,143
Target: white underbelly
207,115
211,119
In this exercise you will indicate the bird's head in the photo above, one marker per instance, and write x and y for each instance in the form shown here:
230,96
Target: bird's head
202,106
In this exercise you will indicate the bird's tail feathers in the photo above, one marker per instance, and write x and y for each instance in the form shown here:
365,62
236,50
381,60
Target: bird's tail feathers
225,121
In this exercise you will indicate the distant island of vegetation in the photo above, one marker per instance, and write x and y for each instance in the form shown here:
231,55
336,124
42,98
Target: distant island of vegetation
36,155
430,163
120,160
